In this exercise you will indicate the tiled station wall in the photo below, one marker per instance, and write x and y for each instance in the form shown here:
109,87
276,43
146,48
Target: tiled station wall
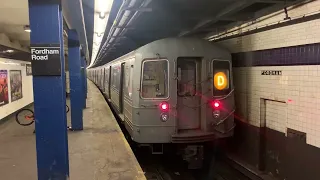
286,101
27,87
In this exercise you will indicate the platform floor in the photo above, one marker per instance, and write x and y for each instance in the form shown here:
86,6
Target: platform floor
99,152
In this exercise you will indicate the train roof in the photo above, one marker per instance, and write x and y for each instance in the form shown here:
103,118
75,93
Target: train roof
172,43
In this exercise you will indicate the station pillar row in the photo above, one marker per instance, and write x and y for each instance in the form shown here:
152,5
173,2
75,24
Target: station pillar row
46,24
77,97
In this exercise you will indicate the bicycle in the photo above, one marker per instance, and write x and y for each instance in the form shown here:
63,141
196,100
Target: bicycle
25,117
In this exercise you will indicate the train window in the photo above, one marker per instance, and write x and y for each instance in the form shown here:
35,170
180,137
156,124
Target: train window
187,78
128,73
221,77
155,79
130,82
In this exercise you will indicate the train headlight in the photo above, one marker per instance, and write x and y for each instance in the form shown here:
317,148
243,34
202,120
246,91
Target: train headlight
216,114
216,105
164,117
164,106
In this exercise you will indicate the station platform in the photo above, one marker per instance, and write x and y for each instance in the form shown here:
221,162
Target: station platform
99,152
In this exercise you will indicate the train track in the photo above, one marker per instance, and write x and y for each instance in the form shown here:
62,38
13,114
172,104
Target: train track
164,168
158,175
228,169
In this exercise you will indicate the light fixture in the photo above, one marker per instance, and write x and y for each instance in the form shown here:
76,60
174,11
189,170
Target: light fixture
164,106
27,28
98,34
215,104
102,15
102,9
7,51
11,63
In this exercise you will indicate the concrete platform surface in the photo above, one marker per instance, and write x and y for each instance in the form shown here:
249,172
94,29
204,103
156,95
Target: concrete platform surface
99,152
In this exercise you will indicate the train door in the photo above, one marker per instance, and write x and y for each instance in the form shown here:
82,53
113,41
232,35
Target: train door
121,87
188,107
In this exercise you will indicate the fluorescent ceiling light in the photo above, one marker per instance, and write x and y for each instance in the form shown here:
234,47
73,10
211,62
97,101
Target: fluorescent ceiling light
102,9
8,51
103,6
10,63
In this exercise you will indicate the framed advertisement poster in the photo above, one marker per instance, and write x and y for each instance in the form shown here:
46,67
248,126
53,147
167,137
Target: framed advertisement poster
15,84
28,69
4,97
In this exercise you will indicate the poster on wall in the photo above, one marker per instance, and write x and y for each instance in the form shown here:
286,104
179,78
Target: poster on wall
28,69
16,85
4,97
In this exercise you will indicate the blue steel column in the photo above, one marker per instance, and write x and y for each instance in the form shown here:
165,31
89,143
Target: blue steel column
76,81
49,95
64,96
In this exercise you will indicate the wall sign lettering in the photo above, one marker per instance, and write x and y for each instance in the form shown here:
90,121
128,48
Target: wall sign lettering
276,73
45,60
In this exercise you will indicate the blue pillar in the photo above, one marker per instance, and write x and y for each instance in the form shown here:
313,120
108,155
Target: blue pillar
76,81
46,26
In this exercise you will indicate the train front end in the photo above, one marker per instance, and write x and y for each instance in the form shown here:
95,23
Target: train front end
185,97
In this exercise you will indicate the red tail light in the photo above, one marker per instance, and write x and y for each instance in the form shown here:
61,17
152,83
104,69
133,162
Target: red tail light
215,104
164,106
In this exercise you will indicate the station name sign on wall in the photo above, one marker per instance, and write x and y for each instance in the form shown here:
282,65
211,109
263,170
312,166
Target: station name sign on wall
276,73
45,59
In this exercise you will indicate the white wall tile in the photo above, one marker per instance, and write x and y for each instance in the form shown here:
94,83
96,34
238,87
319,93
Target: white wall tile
298,87
301,110
293,35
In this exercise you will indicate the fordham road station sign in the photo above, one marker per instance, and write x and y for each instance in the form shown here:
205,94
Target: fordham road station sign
45,59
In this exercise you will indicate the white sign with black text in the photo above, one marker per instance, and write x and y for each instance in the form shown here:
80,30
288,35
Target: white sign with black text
45,60
267,72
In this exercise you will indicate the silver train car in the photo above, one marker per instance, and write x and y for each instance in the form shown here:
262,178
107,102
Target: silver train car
174,90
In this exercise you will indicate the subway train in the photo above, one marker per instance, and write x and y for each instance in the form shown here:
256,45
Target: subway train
171,91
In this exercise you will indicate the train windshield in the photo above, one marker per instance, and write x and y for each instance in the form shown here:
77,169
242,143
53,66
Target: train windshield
221,77
155,79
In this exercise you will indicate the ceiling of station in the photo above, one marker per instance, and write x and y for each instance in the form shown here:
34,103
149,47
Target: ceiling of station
14,15
149,20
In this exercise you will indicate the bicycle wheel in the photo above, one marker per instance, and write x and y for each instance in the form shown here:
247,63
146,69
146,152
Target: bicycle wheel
68,109
25,117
